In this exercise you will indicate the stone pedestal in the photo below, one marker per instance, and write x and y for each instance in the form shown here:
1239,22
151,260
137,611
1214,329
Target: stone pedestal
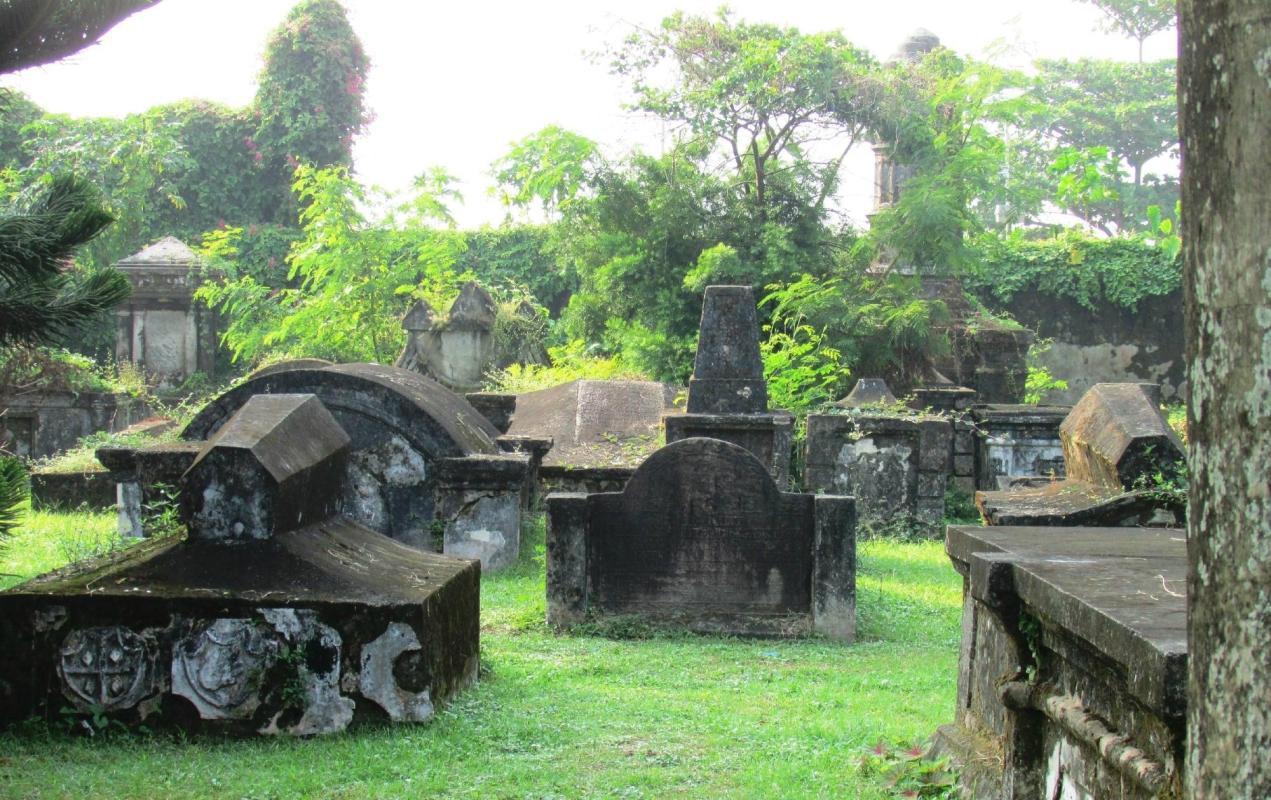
767,436
727,395
479,507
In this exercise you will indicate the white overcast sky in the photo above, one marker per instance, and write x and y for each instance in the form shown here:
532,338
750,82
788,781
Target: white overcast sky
453,84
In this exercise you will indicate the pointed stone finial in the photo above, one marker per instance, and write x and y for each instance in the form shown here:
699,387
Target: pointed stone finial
728,373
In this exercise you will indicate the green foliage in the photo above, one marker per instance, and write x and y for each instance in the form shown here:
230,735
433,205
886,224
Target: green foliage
939,124
351,280
758,95
802,369
569,362
1138,19
518,256
878,325
16,112
311,89
38,33
548,168
1121,271
908,771
1176,416
39,299
34,369
14,490
1040,382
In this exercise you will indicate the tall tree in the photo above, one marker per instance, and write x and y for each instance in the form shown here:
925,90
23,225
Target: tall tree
1225,108
1138,19
763,94
311,89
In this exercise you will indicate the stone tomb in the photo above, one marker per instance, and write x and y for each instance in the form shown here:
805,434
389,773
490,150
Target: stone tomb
160,328
727,395
1115,441
275,615
419,453
896,467
702,537
600,430
1019,441
1072,675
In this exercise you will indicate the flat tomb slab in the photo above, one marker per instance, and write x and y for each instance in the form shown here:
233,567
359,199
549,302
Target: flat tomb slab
1122,590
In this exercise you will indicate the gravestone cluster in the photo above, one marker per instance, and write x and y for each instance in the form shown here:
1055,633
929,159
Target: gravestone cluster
703,535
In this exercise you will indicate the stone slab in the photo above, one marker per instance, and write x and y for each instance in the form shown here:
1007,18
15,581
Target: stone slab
1121,590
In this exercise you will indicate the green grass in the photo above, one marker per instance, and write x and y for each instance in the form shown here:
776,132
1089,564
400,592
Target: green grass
561,716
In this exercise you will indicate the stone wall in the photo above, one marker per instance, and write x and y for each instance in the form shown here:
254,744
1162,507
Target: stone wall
42,424
1111,344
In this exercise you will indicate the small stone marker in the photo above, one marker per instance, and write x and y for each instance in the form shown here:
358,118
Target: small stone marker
702,537
868,392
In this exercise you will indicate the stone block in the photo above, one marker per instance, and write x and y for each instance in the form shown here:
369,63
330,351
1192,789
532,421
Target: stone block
964,465
932,484
834,575
935,444
566,559
274,466
479,507
1116,435
767,436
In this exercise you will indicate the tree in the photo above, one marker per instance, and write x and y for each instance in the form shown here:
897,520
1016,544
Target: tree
765,96
547,168
1138,19
1225,109
38,298
35,32
351,279
311,89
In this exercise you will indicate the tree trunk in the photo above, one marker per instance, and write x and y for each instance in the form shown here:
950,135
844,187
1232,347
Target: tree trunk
1225,115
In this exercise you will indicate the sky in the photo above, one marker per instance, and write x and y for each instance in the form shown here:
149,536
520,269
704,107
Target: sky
454,84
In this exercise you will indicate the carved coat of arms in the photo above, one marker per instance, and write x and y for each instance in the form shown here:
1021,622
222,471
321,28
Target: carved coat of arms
220,667
107,668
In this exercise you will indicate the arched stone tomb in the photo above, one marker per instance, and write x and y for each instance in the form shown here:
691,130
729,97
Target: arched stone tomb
422,460
276,615
702,537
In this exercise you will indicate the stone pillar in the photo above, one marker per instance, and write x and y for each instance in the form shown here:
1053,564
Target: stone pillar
1225,114
479,507
834,570
727,395
537,448
566,559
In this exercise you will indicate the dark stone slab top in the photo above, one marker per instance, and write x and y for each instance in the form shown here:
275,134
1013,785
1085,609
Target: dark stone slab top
334,561
1121,590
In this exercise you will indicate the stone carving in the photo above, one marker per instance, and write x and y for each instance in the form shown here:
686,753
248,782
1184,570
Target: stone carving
377,681
108,668
219,667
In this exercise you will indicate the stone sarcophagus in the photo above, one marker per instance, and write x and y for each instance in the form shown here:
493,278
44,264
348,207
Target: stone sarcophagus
702,537
275,615
1072,676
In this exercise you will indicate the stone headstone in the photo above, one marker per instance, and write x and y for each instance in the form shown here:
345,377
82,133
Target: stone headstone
274,616
868,392
728,373
702,537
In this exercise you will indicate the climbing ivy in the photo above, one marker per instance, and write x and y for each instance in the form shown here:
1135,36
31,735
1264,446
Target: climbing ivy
1121,271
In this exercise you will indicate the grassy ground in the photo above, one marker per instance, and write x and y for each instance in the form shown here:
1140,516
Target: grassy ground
567,716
